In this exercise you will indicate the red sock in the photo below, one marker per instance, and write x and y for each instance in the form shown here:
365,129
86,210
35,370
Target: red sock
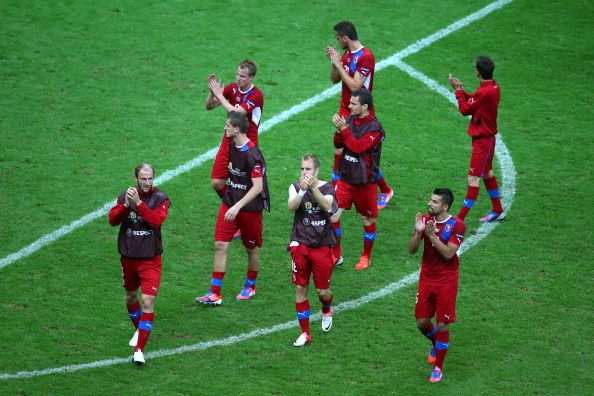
442,343
326,305
493,190
471,196
134,312
368,239
336,251
303,310
144,329
250,279
383,185
217,282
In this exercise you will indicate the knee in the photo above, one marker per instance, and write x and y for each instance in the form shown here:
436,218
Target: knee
473,181
324,293
148,303
367,221
441,327
300,293
221,246
131,297
423,324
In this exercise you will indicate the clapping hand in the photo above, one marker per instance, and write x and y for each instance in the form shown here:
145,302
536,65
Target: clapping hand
339,122
420,224
454,82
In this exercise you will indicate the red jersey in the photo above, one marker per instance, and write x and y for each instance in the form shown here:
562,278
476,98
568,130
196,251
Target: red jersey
482,105
361,61
435,268
361,142
251,101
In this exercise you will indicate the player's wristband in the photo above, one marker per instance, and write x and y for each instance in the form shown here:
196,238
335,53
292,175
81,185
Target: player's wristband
301,192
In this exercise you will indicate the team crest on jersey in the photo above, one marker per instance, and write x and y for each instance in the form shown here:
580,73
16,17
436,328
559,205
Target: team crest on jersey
134,217
308,205
448,227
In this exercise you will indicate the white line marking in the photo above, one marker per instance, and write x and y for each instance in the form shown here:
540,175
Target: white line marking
427,41
508,189
285,115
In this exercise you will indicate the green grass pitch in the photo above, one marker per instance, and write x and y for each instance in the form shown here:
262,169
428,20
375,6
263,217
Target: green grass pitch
89,89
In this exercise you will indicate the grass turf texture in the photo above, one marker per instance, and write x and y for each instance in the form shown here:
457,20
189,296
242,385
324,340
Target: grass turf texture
90,90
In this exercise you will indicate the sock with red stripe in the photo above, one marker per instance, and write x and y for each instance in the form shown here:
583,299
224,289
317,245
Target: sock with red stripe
217,282
326,305
336,251
144,329
134,312
493,190
303,311
471,196
442,343
368,239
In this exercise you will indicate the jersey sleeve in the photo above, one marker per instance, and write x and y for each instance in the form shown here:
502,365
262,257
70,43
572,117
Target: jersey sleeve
365,65
469,103
118,214
257,170
338,140
155,217
364,143
457,235
253,106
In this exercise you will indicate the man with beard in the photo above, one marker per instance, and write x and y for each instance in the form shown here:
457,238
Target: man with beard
360,137
140,211
442,235
356,70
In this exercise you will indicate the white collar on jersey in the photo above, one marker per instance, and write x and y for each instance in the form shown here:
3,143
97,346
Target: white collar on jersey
246,91
440,222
